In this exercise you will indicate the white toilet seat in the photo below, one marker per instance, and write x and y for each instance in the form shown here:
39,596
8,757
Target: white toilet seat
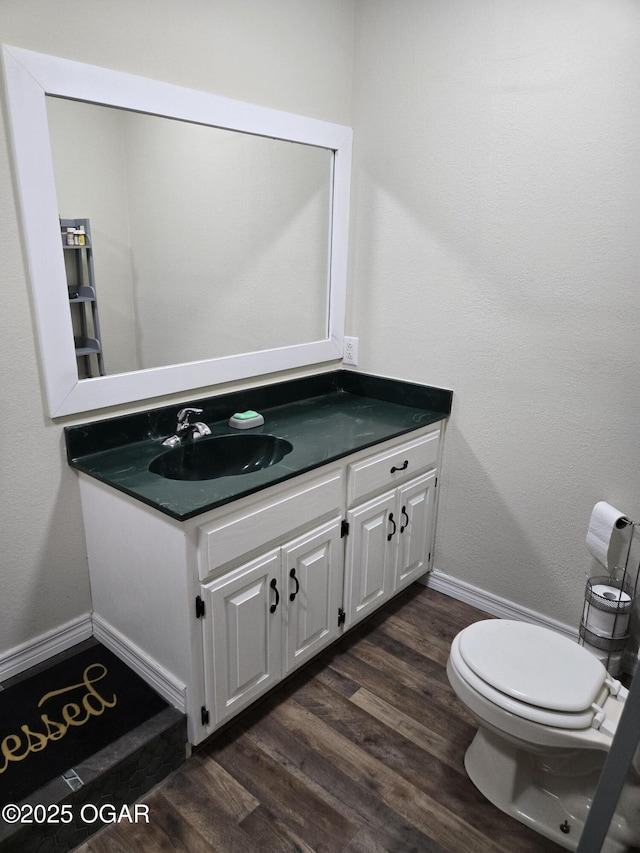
534,673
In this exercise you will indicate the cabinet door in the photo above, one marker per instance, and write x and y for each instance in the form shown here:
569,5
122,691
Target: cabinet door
313,575
243,629
415,532
371,551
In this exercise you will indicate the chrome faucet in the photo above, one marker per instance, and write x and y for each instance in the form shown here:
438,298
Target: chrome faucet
185,430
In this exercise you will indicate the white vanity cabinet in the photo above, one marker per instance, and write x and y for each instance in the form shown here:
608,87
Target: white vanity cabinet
270,615
390,534
215,610
272,572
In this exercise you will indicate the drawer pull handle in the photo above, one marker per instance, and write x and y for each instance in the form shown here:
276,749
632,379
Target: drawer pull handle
273,586
403,467
404,526
292,595
392,520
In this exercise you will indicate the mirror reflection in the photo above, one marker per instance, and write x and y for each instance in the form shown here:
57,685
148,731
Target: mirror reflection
206,242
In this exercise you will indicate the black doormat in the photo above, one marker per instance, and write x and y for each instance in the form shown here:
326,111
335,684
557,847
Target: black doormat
51,722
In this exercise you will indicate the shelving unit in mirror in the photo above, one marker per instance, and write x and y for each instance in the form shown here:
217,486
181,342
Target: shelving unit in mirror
78,250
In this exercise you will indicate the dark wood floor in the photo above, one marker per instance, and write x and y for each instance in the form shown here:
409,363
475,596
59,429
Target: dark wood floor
361,751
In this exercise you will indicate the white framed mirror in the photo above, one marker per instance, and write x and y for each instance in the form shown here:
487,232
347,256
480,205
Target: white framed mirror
278,274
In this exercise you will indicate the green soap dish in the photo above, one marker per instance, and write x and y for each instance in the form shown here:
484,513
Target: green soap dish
246,420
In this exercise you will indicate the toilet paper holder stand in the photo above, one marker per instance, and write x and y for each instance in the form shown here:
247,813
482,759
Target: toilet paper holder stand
608,603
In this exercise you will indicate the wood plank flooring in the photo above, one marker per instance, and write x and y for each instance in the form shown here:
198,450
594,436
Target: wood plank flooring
362,752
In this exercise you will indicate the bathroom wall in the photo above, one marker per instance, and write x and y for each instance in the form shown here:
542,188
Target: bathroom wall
294,55
495,251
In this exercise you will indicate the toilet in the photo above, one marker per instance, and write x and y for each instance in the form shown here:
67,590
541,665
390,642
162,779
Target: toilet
547,711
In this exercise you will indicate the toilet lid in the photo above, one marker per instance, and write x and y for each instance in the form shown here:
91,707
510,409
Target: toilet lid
532,664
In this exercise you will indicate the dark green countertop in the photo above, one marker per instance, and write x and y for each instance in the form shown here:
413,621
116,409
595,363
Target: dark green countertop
324,417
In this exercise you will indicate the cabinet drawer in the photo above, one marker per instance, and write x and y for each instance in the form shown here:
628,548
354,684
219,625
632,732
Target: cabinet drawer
392,466
241,531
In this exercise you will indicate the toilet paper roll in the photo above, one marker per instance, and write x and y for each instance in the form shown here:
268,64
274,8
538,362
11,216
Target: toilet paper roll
605,534
606,610
605,624
610,598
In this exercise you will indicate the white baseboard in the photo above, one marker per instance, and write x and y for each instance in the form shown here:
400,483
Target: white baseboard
492,604
48,645
172,690
45,646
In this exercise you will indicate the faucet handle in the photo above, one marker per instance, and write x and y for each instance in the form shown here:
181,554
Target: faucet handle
185,414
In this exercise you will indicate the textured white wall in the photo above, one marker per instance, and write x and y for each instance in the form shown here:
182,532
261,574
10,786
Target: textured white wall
294,55
495,251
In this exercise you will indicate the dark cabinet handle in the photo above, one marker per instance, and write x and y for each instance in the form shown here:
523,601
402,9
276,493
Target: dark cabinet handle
403,467
392,520
273,586
292,575
404,526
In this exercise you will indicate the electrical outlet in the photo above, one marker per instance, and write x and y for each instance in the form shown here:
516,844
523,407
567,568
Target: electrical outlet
350,351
